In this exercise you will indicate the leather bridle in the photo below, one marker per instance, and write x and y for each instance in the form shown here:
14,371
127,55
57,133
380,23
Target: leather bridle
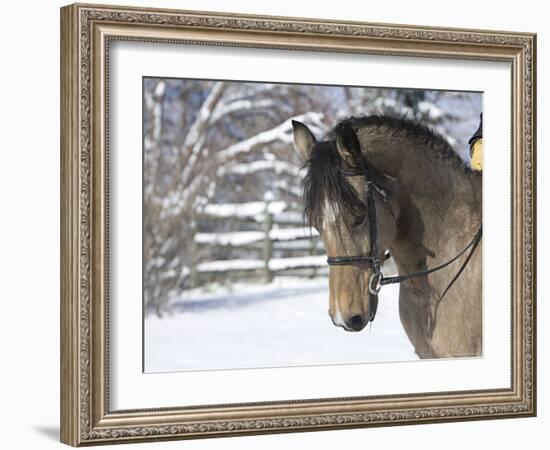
372,260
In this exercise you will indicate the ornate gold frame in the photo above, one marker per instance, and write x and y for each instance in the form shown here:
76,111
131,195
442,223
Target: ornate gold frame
86,31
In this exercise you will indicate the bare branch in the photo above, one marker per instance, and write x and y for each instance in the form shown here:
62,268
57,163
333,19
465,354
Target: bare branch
280,133
253,167
240,105
204,115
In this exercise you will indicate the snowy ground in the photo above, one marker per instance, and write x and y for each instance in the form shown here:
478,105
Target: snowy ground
284,323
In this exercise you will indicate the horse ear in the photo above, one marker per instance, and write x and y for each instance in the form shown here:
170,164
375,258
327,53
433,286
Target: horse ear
303,139
347,144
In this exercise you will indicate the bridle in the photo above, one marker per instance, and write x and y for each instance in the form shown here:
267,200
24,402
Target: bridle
372,260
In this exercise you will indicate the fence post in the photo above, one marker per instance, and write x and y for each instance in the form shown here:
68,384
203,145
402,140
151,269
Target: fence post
268,243
194,256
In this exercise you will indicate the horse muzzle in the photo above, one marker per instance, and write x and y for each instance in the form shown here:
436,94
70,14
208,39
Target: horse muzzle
352,322
356,322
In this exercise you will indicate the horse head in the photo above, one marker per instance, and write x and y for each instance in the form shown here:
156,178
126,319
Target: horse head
353,228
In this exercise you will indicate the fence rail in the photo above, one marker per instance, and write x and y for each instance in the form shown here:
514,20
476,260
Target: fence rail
274,264
276,231
240,238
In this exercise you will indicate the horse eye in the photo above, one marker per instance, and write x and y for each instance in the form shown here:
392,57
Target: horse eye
358,222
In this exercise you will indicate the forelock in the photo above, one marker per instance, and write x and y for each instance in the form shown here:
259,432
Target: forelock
324,187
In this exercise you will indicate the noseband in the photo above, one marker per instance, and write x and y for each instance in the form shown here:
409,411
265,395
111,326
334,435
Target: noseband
372,260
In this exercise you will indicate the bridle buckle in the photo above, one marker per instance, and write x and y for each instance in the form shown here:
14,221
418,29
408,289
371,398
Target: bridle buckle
375,277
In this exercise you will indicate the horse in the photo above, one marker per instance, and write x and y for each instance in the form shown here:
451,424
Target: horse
378,184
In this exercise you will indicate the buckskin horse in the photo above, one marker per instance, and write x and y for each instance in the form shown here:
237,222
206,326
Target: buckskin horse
377,184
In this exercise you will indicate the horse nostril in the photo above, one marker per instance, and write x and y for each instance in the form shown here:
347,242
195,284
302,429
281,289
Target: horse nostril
357,322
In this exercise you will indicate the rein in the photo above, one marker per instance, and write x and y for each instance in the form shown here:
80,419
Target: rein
377,279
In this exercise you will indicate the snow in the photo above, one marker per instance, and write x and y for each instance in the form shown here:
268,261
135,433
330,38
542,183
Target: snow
238,238
230,264
240,105
160,89
281,133
290,234
260,165
284,323
243,210
204,114
386,102
233,239
431,110
275,264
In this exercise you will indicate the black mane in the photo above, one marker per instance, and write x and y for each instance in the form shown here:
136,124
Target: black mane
324,181
435,143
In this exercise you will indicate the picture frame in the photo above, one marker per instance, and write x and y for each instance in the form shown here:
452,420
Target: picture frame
87,32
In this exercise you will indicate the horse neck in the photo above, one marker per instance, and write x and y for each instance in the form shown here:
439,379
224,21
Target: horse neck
438,203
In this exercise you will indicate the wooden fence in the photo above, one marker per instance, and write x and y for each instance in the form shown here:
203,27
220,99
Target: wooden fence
274,236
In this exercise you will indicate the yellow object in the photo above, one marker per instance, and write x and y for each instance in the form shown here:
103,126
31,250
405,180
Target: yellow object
476,152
